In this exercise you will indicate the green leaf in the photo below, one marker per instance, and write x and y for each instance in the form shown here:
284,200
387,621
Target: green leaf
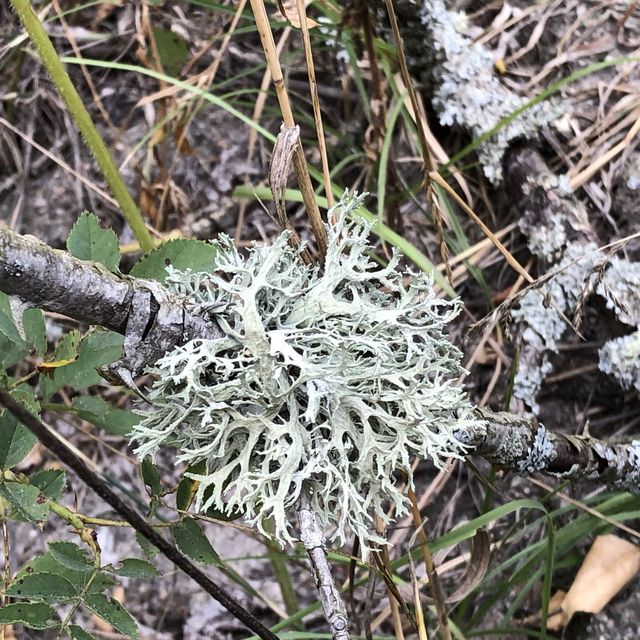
151,476
34,330
149,550
99,347
99,412
33,615
181,254
48,586
27,501
16,440
173,50
46,563
88,241
49,481
13,347
71,555
112,612
7,326
187,487
191,540
136,568
78,633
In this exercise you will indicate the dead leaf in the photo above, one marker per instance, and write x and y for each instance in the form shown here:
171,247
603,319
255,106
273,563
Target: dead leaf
289,12
606,569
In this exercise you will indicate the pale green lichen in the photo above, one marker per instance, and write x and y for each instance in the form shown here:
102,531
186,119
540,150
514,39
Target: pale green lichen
333,378
620,358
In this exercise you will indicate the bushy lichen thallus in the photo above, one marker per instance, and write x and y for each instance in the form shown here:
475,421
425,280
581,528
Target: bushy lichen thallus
329,378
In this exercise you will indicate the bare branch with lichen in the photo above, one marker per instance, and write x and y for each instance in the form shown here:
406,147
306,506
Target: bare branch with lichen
309,389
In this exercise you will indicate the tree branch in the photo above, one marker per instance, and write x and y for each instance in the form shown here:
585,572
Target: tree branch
152,321
56,281
312,536
526,446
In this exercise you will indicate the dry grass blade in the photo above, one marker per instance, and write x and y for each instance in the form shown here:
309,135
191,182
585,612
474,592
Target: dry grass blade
439,180
428,165
253,134
578,180
299,162
315,100
434,581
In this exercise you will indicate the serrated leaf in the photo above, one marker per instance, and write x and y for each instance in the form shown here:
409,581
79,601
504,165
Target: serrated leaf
27,501
147,548
181,254
70,555
99,412
99,347
49,481
191,540
48,586
151,476
136,568
88,241
33,615
46,563
112,612
78,633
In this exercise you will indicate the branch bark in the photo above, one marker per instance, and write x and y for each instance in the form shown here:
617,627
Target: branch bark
312,536
151,321
56,281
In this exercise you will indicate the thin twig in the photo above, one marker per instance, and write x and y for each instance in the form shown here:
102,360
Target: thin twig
312,537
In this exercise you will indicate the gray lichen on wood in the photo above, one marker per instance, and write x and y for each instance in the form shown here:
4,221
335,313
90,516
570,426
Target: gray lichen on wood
578,269
467,91
510,441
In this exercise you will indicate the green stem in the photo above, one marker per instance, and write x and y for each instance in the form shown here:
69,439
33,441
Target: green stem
281,573
81,116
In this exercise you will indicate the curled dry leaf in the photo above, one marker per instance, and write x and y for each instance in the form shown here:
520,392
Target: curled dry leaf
606,569
289,12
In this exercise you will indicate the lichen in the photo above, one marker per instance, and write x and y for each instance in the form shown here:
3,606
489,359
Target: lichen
468,92
620,287
540,455
543,316
620,358
332,378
